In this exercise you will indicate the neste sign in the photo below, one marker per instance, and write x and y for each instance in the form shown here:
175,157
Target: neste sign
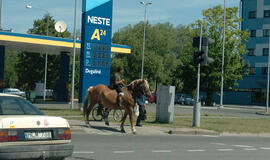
95,44
99,20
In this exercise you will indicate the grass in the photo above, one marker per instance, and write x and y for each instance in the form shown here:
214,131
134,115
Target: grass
230,125
219,123
62,112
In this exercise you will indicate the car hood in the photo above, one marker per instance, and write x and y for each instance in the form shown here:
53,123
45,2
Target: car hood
22,121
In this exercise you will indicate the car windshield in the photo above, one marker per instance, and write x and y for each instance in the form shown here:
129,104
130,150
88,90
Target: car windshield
17,106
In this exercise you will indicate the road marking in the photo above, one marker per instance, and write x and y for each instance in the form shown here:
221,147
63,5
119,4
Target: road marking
220,144
162,151
242,146
250,149
265,148
210,136
120,152
83,152
225,150
198,150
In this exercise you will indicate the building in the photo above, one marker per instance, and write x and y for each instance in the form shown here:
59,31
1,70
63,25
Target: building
256,19
251,90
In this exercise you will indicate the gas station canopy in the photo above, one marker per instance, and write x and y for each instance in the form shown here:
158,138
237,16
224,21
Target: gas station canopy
51,45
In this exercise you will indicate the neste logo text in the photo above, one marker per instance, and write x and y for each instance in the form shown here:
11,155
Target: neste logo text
99,20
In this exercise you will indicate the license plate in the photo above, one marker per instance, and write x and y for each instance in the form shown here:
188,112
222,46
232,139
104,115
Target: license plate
38,135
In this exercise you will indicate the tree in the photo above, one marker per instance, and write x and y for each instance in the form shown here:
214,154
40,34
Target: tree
161,52
30,67
11,77
235,66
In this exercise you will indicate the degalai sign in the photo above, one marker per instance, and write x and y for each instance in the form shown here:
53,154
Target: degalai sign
95,44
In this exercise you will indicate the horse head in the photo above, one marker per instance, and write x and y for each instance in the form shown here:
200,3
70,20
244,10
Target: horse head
145,88
140,87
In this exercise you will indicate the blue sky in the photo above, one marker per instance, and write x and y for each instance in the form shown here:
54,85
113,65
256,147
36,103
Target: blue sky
16,16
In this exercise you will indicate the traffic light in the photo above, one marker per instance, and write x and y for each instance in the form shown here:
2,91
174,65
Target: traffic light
197,57
202,56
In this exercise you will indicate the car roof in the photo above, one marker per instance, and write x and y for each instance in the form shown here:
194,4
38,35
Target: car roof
11,88
8,95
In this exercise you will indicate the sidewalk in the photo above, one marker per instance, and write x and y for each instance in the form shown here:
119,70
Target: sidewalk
114,129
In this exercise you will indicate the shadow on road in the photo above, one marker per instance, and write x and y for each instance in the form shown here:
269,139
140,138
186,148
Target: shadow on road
82,158
106,128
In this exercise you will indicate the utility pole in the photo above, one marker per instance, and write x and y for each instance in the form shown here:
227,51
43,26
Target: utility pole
46,54
0,14
197,106
74,55
144,28
268,70
223,51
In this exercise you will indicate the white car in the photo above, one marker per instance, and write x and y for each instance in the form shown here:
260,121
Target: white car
14,91
26,133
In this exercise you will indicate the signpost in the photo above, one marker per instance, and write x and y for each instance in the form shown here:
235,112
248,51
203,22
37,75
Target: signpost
96,44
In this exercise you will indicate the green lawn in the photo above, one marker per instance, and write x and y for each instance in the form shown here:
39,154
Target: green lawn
223,123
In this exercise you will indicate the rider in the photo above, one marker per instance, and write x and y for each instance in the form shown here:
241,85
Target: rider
118,81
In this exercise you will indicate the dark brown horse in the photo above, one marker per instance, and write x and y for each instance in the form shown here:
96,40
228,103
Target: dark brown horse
104,96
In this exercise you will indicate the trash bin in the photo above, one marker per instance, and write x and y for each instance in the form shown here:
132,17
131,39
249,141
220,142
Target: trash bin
165,104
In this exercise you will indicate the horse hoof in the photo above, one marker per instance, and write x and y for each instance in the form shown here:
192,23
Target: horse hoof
123,131
87,123
107,123
134,132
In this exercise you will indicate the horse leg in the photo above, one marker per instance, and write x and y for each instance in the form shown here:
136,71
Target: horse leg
131,120
123,121
89,109
105,115
86,116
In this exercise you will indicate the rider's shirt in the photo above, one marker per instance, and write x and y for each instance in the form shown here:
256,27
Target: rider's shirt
117,77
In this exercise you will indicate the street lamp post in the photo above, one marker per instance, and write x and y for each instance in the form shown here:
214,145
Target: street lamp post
223,50
46,54
145,6
74,56
0,14
268,70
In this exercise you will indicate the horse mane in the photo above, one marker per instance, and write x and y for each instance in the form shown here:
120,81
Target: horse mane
135,91
132,84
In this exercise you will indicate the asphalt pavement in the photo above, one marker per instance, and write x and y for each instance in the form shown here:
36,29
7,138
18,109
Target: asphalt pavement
160,147
101,142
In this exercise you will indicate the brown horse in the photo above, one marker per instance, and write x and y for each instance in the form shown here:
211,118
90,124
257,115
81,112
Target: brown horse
104,96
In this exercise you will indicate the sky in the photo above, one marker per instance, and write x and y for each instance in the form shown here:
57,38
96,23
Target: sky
17,17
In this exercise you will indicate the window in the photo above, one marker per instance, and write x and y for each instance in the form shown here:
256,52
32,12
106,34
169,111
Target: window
265,51
266,32
252,33
252,14
267,13
17,106
264,70
251,52
252,70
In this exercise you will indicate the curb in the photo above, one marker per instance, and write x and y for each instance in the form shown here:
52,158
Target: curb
263,114
195,132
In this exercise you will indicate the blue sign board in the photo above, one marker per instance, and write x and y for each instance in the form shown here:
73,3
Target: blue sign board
95,56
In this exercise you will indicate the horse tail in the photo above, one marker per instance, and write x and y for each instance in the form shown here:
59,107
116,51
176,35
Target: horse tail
86,99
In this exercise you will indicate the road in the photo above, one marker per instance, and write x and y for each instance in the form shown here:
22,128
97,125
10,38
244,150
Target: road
160,147
234,111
